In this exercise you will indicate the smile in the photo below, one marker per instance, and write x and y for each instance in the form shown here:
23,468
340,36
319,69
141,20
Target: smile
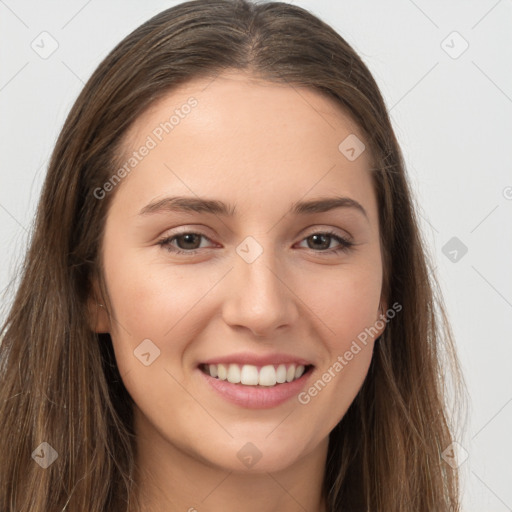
255,387
251,375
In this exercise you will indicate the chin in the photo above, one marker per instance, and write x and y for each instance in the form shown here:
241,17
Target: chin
257,456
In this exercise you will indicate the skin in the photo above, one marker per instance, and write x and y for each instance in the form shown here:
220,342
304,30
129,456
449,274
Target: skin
259,146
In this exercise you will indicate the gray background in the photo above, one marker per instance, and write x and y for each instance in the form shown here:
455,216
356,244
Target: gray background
452,112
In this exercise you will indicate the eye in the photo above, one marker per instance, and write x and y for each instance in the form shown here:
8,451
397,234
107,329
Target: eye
190,242
321,241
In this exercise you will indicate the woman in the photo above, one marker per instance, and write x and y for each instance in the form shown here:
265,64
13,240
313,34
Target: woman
291,357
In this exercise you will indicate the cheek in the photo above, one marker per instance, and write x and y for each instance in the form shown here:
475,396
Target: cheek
153,307
151,298
166,304
346,301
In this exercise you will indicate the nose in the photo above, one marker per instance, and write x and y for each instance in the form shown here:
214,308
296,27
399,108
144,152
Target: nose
260,297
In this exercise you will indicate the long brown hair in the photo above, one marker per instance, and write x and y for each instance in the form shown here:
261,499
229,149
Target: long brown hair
59,380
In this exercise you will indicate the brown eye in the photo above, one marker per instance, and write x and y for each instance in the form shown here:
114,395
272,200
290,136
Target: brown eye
183,243
189,241
321,242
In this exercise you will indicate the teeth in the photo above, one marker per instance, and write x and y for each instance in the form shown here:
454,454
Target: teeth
222,371
268,376
281,374
250,375
234,374
299,371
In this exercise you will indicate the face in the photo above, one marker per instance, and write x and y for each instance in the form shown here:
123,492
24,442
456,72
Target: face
270,272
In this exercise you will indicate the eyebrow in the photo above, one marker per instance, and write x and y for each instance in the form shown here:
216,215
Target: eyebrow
216,207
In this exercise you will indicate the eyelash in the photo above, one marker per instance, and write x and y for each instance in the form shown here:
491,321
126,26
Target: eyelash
345,245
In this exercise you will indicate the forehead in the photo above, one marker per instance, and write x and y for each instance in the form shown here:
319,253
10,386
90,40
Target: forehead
239,104
238,135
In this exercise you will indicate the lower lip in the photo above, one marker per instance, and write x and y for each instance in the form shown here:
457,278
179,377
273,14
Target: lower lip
257,397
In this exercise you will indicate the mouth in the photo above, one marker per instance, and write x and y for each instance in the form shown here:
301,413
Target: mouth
267,376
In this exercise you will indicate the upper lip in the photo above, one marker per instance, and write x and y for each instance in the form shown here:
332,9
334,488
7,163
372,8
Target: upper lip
258,359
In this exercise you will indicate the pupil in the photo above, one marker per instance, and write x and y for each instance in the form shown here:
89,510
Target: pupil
325,237
189,239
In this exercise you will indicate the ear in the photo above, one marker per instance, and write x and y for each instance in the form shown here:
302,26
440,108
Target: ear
383,307
381,318
99,320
